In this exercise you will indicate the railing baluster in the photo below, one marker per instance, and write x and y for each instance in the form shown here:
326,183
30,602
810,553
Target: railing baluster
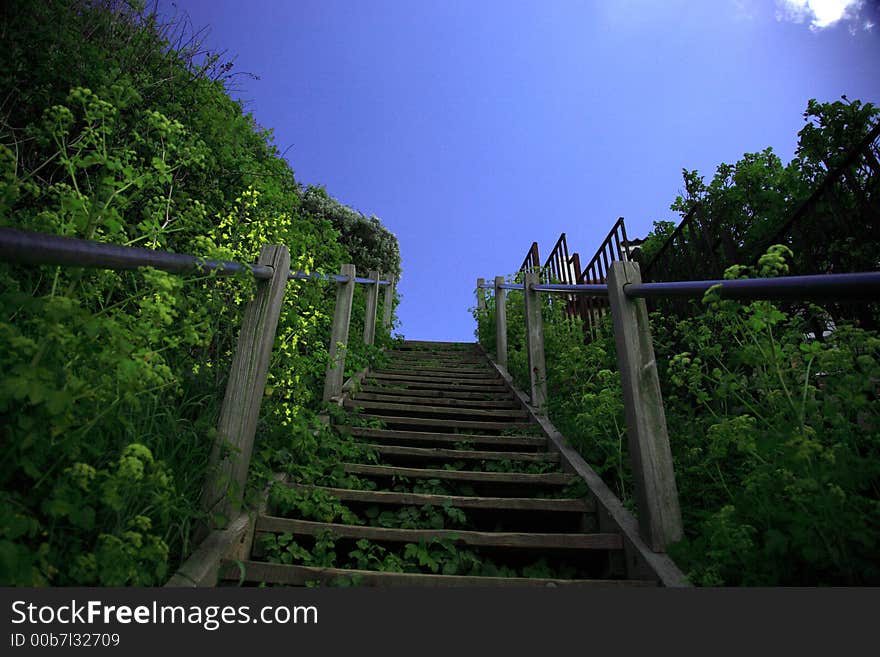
650,455
481,295
339,334
388,302
500,322
372,306
535,340
231,453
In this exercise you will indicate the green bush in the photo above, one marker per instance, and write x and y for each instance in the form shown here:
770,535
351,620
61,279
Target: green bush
775,436
112,381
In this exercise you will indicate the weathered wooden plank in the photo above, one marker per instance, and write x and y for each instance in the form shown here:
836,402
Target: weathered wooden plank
439,345
483,373
650,455
339,334
402,398
371,307
437,368
641,561
291,575
440,411
547,479
478,425
430,391
519,540
418,357
535,340
231,452
561,505
485,381
456,364
492,390
200,569
500,322
451,438
466,454
388,303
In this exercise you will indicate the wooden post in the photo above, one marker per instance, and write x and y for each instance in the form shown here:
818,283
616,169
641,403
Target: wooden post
387,303
481,297
371,309
500,322
535,339
339,334
231,453
650,455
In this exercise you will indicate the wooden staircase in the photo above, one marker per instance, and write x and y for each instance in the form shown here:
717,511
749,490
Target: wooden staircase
452,437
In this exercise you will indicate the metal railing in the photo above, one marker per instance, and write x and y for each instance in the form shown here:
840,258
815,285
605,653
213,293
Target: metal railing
613,247
249,370
841,214
564,268
532,261
26,247
625,294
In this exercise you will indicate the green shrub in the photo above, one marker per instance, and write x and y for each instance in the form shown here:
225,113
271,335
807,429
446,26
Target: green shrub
112,381
775,435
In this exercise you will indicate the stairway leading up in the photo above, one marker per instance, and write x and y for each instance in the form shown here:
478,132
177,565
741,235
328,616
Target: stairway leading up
453,447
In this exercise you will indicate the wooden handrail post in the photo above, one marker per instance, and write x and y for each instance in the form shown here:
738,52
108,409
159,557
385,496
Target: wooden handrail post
372,307
535,340
650,455
231,453
387,303
500,323
481,296
339,334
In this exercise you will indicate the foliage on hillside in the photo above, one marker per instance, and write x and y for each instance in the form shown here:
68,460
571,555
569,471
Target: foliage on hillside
112,380
371,245
775,434
745,205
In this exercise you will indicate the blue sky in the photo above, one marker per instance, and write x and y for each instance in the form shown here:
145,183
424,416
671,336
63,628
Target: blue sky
473,128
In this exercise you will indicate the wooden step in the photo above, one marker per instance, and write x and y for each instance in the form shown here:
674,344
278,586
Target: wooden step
484,381
546,479
453,364
435,453
481,374
399,398
389,385
435,344
476,425
449,354
292,575
435,411
445,438
561,505
438,391
442,363
520,540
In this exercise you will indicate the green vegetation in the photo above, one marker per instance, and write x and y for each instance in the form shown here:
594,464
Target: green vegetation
775,430
441,556
114,129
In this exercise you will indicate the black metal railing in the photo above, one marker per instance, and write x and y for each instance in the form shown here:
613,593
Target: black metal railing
532,261
26,247
650,455
856,286
835,229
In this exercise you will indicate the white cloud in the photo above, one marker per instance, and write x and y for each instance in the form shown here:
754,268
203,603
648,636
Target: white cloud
820,13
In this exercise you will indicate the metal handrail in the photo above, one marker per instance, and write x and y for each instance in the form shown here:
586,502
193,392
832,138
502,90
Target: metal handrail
29,247
860,285
314,276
